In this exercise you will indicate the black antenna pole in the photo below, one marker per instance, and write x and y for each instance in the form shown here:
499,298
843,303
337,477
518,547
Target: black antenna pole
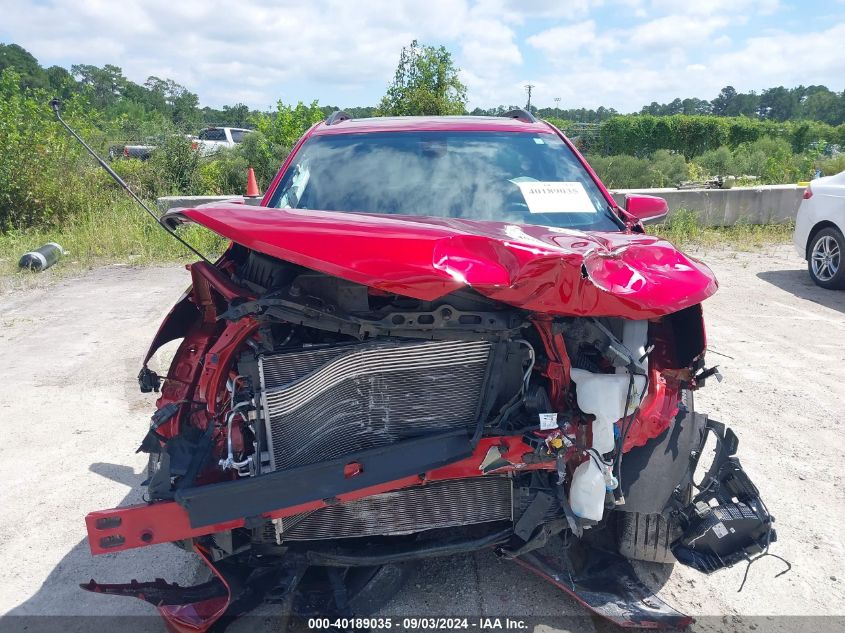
56,105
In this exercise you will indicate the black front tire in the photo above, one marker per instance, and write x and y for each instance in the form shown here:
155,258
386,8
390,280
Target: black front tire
826,259
649,536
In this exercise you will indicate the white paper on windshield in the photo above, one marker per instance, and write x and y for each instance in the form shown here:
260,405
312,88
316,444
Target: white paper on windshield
556,197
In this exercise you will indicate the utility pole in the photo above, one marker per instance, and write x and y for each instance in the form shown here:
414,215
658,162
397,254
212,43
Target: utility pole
557,106
528,89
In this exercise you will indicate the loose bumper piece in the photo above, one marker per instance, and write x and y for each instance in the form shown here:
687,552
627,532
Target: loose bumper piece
726,522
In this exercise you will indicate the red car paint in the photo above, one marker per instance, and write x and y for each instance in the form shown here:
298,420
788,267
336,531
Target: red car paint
197,617
554,271
144,524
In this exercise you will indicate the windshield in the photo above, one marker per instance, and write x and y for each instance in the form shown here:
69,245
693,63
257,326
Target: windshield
524,178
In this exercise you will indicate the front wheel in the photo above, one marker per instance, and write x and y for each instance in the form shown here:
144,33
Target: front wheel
649,536
824,259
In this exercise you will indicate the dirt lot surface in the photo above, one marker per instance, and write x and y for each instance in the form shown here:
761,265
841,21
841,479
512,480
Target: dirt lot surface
73,417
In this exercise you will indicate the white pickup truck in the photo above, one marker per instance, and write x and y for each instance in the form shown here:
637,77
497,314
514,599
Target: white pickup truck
213,139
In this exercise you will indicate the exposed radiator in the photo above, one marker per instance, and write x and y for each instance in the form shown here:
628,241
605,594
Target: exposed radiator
323,403
439,504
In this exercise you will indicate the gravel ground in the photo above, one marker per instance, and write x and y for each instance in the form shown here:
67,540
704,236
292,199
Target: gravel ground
73,418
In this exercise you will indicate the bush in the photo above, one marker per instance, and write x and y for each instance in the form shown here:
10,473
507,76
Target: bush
693,135
172,169
231,168
769,159
619,172
662,169
644,134
45,176
175,164
666,169
264,156
210,178
717,162
139,175
741,130
831,166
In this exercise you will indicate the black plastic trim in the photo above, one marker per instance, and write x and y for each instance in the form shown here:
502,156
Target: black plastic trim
651,473
231,500
520,115
384,556
338,116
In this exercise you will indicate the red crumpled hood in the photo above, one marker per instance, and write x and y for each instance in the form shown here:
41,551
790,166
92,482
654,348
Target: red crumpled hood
556,271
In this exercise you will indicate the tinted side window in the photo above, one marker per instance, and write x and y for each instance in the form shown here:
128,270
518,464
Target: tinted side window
213,135
238,135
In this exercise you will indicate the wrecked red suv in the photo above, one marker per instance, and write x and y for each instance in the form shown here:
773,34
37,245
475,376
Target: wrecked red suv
435,335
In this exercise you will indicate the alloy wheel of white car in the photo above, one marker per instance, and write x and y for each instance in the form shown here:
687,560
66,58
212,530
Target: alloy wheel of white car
825,260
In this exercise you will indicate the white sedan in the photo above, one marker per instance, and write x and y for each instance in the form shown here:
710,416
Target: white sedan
819,230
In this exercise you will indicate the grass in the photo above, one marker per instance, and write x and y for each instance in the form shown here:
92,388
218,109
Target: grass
685,230
123,234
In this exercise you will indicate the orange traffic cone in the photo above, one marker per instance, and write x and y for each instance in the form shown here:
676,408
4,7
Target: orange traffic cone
252,190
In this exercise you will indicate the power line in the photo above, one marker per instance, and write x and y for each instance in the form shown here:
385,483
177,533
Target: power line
528,89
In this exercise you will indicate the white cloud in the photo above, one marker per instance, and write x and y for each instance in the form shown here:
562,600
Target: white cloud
517,11
561,42
221,49
344,53
637,7
763,62
488,44
731,8
675,30
785,59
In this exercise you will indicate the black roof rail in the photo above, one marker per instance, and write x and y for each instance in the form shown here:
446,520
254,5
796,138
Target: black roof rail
337,117
521,115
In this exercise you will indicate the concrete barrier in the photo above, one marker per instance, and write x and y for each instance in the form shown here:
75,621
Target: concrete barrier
769,204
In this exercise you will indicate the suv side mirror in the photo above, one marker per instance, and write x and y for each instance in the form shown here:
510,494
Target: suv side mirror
646,208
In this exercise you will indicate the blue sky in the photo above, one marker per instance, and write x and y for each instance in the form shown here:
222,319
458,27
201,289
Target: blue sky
617,53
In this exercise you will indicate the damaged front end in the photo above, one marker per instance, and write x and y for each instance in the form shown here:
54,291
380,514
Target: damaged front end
335,419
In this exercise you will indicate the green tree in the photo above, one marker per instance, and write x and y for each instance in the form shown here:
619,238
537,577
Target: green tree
778,103
426,83
733,103
824,105
745,104
105,84
696,106
723,104
29,71
179,102
236,115
288,123
61,82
